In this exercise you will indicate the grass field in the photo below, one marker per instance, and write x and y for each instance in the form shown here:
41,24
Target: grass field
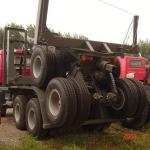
114,138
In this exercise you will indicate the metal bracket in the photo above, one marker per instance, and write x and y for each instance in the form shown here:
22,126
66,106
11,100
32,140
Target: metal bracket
9,72
107,48
89,46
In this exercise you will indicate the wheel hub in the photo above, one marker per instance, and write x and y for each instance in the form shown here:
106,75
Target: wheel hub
37,63
31,119
54,102
119,104
17,112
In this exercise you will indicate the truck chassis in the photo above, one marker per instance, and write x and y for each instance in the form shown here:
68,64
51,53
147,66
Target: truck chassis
73,83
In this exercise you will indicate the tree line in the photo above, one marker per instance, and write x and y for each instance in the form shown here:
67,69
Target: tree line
30,30
144,45
145,49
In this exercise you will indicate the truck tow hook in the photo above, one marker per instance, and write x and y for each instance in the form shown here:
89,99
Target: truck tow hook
111,97
98,97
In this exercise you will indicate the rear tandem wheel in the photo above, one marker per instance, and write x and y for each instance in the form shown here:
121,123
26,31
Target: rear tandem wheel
33,118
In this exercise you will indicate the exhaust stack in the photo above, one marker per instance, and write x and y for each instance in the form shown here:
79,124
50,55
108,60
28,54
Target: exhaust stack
135,26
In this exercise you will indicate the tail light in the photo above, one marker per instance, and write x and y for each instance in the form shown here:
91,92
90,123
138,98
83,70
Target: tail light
86,58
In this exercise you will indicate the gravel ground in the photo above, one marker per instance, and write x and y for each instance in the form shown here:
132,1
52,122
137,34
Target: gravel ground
8,132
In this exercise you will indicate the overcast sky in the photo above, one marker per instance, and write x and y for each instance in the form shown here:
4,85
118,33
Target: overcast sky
91,18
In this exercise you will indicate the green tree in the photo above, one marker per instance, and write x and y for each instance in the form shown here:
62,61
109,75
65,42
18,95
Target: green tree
1,37
15,35
31,30
72,36
145,49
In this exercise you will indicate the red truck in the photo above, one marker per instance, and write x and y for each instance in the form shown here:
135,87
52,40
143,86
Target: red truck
137,68
132,67
73,82
17,60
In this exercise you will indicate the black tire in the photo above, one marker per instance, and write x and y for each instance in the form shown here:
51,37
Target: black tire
61,105
142,114
142,96
97,112
85,95
135,97
137,122
147,87
61,65
42,66
83,102
97,127
33,117
3,108
19,110
3,111
129,91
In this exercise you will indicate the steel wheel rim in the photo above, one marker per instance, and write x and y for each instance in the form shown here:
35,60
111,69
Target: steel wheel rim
54,104
17,112
31,118
119,106
37,65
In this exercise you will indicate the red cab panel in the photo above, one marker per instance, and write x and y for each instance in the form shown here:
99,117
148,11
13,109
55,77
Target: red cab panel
17,60
132,67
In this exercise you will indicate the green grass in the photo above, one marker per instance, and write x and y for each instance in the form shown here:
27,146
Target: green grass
114,138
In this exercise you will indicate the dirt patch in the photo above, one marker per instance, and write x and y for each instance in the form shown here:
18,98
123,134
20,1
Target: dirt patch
8,132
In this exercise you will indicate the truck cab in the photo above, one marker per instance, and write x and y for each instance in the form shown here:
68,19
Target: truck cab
17,62
132,67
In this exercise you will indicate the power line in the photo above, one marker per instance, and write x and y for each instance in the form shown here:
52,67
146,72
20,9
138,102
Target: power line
128,33
116,7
